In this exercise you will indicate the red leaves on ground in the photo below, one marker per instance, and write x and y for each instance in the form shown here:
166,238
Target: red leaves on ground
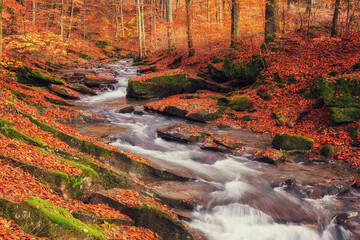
131,233
10,231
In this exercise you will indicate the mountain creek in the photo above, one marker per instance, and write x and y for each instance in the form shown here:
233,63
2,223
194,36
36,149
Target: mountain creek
235,197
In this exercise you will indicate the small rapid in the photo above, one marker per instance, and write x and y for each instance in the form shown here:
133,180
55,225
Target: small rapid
237,199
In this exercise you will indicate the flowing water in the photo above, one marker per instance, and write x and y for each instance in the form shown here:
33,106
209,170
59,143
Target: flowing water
236,198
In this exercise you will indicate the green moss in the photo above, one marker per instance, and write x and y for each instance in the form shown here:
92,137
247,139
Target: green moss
244,70
63,218
13,133
20,95
5,123
240,103
278,116
43,219
165,85
30,76
328,151
102,44
354,132
344,115
302,90
292,142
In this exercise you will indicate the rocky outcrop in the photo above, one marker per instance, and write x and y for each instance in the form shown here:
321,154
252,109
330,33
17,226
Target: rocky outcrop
182,133
64,92
341,95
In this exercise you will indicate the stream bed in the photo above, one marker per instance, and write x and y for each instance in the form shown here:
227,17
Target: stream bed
236,198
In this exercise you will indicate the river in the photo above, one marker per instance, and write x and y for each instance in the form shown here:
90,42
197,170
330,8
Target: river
236,198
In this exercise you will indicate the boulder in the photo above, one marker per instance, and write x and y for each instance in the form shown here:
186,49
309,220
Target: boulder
96,81
128,109
240,103
182,133
341,95
248,117
270,156
292,142
222,144
328,151
164,84
175,111
205,115
64,92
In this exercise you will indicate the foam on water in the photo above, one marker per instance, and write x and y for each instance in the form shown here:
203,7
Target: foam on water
241,222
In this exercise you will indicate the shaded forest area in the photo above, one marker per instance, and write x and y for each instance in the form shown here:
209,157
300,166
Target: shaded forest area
279,67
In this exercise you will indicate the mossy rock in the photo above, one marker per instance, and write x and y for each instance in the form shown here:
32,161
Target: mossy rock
6,123
82,89
47,220
292,142
245,72
240,103
341,95
344,115
205,115
64,92
328,151
15,134
58,102
149,217
169,83
102,44
28,75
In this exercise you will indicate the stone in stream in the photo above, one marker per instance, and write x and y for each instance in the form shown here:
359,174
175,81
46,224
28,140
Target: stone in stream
128,109
96,81
82,89
270,156
222,144
64,92
350,221
182,133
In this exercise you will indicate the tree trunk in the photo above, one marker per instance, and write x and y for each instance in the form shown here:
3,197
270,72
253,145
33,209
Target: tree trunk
71,17
189,28
138,17
334,30
84,20
117,24
62,20
2,6
122,18
272,23
34,12
308,13
169,18
143,26
235,22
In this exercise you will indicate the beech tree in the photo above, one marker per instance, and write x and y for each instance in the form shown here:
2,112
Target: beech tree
334,30
272,20
189,28
235,22
169,19
2,6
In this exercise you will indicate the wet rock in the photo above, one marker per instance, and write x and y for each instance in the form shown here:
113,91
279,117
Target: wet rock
140,113
106,87
205,115
292,142
351,222
96,81
128,109
270,156
82,89
222,144
64,92
79,76
175,111
182,133
211,145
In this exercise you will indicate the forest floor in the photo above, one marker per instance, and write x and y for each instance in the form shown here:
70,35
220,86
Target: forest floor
301,57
